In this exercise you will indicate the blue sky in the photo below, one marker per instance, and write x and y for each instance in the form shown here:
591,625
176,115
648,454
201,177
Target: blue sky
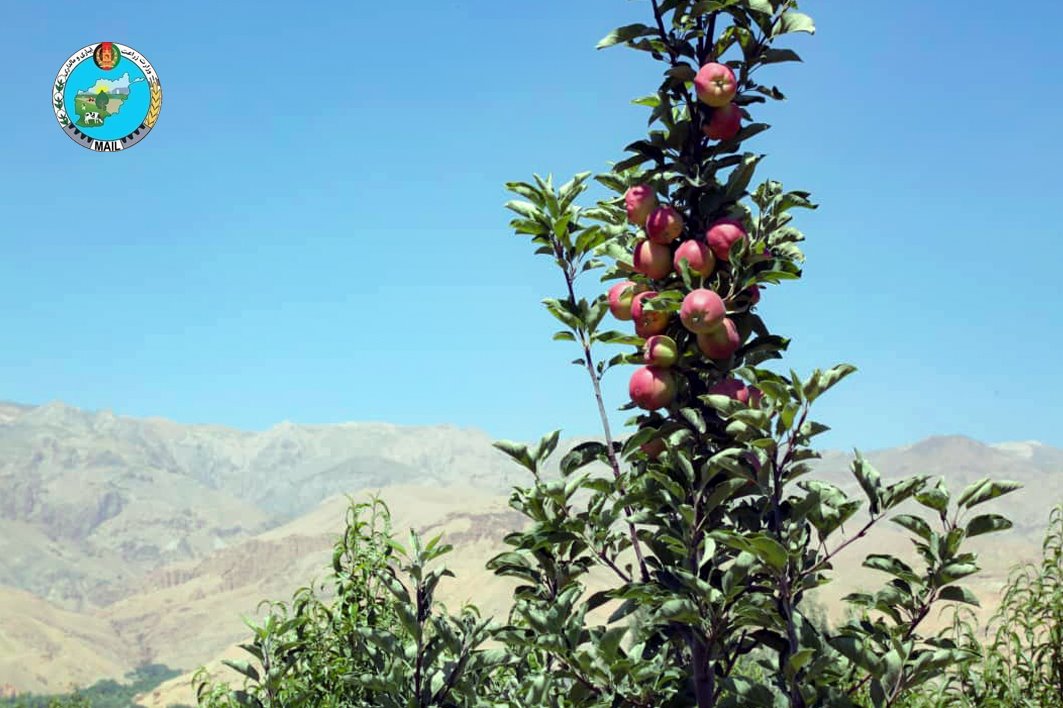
314,230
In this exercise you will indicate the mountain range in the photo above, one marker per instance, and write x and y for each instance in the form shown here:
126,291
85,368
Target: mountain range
126,541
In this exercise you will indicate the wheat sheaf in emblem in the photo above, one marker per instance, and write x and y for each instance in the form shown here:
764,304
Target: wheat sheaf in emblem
155,107
107,97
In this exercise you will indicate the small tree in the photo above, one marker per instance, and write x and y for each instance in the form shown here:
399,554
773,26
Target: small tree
1020,663
701,518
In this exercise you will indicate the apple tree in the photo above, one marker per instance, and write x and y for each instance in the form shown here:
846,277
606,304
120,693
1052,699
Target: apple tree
706,516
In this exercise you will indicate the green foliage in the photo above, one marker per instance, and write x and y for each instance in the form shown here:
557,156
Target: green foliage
106,693
379,641
714,545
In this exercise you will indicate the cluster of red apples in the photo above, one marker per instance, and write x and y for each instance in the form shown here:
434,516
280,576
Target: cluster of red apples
703,312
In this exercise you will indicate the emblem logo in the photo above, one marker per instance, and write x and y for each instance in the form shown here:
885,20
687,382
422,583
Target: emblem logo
107,97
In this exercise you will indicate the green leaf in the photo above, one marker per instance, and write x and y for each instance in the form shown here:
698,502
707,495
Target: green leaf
777,56
869,479
562,311
900,491
703,7
764,547
581,456
525,190
625,34
954,571
694,417
613,337
987,523
242,667
857,651
798,660
827,379
525,209
959,593
721,493
724,405
792,21
518,451
936,498
739,179
764,7
892,565
914,524
546,446
985,490
564,336
683,72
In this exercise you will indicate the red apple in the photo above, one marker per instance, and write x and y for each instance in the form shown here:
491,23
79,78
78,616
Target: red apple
661,351
664,225
652,259
647,322
715,84
640,200
652,388
732,388
721,342
700,259
724,124
653,449
753,291
620,299
702,311
722,235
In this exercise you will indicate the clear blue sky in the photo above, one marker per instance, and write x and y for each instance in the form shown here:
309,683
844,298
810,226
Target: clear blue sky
314,230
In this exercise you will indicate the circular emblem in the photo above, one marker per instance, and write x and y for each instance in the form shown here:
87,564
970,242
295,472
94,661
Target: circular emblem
107,97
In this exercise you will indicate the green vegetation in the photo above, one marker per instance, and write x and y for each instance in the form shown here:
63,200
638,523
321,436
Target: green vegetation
365,647
81,107
107,693
705,517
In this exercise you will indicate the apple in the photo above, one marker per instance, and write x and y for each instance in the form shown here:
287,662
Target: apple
620,300
735,389
700,259
721,342
652,388
722,235
715,84
724,124
732,388
753,291
661,351
702,311
640,200
664,225
653,449
647,322
652,259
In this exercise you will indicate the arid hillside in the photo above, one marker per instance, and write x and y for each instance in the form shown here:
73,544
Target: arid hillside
126,541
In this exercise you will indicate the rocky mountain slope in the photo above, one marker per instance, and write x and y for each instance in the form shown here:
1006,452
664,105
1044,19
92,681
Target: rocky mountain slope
91,501
125,541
